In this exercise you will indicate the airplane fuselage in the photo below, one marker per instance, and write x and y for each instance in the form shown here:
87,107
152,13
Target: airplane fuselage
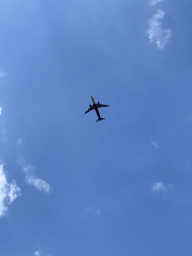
95,107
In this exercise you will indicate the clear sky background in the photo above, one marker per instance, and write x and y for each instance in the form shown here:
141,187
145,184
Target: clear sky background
70,186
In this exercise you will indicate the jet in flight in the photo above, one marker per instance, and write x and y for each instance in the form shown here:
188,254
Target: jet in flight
96,106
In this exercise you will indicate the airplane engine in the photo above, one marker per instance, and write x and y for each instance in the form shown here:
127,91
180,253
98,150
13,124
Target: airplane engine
90,105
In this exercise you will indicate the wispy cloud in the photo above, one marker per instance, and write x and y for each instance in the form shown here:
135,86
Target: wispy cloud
154,2
8,192
92,210
189,118
4,134
2,74
0,110
156,34
19,142
38,183
38,253
31,179
154,143
160,187
188,164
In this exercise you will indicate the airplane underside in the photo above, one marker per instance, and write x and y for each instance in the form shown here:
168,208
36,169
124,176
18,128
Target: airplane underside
96,106
101,118
98,114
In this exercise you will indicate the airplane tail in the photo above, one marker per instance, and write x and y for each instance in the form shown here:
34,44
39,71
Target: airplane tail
100,119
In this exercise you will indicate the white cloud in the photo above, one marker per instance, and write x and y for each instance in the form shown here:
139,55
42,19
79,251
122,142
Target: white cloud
156,34
8,192
30,177
14,191
154,2
0,110
160,187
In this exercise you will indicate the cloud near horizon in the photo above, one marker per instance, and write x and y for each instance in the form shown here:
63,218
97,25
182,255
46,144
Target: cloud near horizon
30,177
8,192
156,34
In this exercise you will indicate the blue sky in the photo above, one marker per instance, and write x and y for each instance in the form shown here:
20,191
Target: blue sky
70,186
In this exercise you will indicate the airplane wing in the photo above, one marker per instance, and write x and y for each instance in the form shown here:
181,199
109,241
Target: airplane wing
102,105
91,108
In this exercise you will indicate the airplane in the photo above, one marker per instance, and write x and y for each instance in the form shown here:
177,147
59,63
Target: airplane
96,106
